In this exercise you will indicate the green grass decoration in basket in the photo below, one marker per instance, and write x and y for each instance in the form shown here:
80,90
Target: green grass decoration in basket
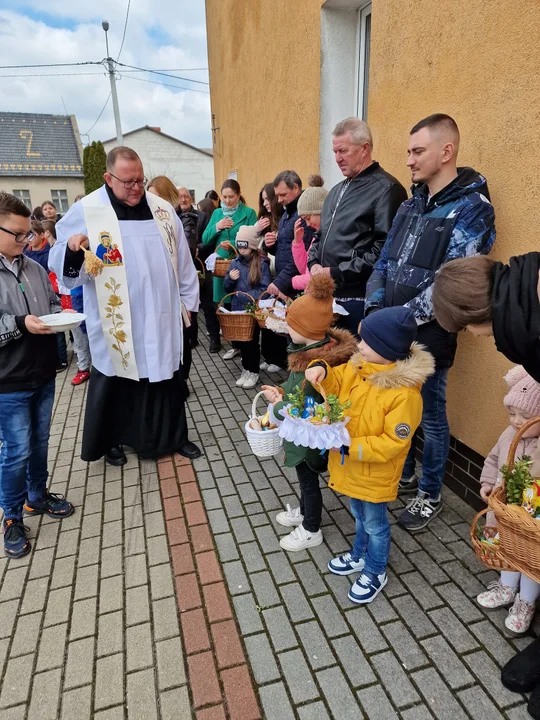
517,480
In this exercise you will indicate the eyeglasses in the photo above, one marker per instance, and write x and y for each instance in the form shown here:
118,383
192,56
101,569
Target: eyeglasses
130,184
20,237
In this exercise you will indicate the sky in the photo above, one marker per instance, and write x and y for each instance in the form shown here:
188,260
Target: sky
161,34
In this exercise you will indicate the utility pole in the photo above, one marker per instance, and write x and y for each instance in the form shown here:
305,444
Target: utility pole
116,109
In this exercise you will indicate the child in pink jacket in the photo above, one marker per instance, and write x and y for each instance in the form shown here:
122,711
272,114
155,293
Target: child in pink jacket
513,588
310,207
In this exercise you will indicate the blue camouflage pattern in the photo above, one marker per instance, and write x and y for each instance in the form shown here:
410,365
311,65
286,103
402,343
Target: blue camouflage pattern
426,233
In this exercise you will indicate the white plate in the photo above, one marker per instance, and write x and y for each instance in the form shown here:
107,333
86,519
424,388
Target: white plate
60,322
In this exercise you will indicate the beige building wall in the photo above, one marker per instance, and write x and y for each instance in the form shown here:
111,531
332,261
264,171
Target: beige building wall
264,60
40,188
479,63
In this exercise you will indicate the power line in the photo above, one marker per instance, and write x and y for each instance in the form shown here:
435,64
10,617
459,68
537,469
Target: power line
33,75
159,72
162,84
125,28
15,67
100,114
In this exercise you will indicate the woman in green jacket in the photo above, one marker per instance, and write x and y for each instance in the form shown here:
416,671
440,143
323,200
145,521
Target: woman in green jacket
224,224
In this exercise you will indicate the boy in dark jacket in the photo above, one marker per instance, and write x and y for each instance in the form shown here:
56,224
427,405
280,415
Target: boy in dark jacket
309,318
27,372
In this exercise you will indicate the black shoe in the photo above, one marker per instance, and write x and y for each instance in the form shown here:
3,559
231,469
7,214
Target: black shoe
16,544
521,674
419,512
533,708
189,450
194,344
187,391
61,367
215,345
116,456
408,485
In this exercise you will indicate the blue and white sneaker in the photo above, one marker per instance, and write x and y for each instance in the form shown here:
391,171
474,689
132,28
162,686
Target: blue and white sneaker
346,565
367,587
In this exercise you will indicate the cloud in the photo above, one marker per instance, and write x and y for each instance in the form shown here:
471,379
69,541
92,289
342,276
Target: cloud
160,34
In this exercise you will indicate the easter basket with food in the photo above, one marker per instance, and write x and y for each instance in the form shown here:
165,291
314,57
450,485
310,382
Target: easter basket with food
262,433
236,325
265,306
320,426
222,265
516,504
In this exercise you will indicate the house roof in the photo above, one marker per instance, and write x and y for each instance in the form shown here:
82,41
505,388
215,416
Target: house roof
36,145
158,131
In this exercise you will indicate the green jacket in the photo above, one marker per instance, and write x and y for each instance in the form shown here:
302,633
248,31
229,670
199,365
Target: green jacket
338,348
213,237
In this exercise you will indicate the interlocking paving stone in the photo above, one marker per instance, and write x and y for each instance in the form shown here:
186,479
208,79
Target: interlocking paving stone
375,703
261,658
437,696
394,679
338,695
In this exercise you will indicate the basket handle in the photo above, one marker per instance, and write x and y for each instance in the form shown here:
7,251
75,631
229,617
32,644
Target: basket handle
238,292
515,442
254,404
232,248
319,388
198,259
261,296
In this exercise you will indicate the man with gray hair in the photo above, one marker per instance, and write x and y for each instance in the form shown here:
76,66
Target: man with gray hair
356,217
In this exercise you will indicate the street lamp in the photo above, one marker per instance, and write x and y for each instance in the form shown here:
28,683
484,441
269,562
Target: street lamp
116,108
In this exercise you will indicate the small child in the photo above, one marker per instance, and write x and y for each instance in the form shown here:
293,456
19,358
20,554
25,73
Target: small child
310,207
250,273
383,383
308,318
522,403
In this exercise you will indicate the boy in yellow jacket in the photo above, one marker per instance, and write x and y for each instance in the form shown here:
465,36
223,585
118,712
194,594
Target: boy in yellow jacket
382,382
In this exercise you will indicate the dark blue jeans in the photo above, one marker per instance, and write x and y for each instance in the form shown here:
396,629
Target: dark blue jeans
350,322
436,436
61,348
372,541
25,422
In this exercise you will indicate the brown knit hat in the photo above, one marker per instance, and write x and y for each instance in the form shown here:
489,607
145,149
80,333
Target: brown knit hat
311,314
249,234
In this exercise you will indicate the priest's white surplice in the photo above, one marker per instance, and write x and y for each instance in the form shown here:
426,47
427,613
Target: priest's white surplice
154,295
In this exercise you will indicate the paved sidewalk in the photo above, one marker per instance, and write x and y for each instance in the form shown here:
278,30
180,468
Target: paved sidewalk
167,595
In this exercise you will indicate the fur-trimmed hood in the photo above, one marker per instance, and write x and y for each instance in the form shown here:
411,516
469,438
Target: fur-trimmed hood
339,350
411,372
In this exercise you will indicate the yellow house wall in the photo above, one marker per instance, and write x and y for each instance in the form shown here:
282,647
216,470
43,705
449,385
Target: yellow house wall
479,63
264,60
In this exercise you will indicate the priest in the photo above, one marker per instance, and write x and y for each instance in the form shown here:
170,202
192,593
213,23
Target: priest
136,308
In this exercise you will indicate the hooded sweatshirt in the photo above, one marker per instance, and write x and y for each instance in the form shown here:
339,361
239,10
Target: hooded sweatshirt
427,232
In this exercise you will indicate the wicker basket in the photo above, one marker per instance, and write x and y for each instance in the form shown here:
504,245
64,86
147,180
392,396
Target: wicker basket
262,313
223,264
519,533
201,271
236,327
486,553
264,443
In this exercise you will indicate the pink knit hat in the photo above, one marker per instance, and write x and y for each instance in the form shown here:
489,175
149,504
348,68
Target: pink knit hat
524,391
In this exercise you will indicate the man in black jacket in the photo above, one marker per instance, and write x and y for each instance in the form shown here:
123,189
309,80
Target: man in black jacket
356,217
27,372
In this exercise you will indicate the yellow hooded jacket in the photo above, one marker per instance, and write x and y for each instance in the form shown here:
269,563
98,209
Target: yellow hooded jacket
385,412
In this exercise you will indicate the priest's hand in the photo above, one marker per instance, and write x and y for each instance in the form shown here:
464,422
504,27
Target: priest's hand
36,326
76,242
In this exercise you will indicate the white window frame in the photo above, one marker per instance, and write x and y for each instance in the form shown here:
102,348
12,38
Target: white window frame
26,201
58,201
363,43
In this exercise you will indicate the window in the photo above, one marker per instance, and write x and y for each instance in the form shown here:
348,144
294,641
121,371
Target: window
192,193
364,45
59,198
24,195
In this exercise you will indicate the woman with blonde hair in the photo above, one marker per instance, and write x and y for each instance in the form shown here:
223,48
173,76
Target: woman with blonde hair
165,189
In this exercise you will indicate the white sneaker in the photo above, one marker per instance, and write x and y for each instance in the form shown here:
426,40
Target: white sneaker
497,595
273,368
250,381
520,616
346,565
291,517
263,365
242,379
300,539
366,588
230,354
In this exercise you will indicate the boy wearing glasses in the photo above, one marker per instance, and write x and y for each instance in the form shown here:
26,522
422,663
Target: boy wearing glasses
27,372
